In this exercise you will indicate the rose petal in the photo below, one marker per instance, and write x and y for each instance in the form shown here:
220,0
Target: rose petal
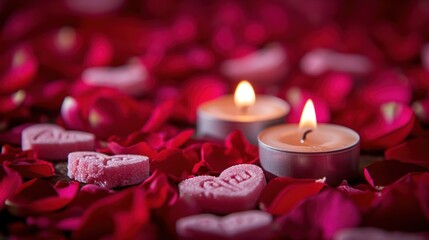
26,163
379,128
412,151
383,173
362,198
236,150
123,214
10,181
375,233
158,190
282,195
38,197
320,217
21,66
159,116
388,86
176,163
70,218
141,148
402,205
180,139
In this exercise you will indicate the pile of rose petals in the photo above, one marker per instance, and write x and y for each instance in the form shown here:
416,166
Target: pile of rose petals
134,73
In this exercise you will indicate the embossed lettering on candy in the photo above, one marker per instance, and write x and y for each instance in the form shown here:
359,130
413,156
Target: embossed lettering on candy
52,142
252,224
108,171
236,189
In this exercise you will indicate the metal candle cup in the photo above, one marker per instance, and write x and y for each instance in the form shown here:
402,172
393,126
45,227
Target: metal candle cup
330,151
219,117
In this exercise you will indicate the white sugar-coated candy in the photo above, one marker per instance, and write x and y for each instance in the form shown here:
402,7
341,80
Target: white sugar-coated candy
52,142
252,224
108,171
236,189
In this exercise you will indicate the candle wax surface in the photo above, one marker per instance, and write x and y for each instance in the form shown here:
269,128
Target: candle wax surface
265,108
325,138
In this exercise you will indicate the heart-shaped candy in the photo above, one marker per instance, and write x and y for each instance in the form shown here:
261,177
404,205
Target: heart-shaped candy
236,189
251,224
107,171
52,142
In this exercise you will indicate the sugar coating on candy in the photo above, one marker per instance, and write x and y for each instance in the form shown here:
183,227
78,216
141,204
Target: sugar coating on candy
107,171
252,224
236,189
52,142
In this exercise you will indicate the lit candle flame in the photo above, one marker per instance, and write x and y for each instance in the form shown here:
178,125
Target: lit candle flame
308,116
244,96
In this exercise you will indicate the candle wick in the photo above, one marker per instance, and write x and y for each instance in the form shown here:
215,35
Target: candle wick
304,136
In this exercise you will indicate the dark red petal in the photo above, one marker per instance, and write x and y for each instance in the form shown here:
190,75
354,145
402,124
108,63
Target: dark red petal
180,139
33,168
383,173
320,216
38,197
10,181
412,151
402,205
159,116
282,195
71,217
158,190
176,163
141,148
121,213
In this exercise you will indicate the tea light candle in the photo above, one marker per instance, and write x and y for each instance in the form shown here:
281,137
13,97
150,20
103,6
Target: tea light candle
244,111
309,150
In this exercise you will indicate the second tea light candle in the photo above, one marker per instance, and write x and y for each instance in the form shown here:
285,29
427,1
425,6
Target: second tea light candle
309,150
242,111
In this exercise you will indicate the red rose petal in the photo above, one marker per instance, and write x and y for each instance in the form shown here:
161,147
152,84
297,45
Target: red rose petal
10,181
383,173
362,198
180,139
176,163
381,127
196,91
320,217
12,102
38,197
158,190
21,66
122,215
402,205
413,151
26,163
236,150
159,116
70,218
388,86
141,148
282,195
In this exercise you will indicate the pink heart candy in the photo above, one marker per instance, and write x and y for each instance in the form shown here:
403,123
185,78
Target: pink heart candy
236,189
251,224
107,171
52,142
